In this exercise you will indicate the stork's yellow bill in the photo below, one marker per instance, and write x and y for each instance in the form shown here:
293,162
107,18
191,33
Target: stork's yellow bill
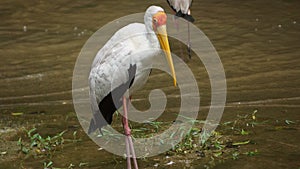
159,25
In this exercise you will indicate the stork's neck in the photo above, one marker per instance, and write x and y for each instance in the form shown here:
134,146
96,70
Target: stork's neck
151,36
148,24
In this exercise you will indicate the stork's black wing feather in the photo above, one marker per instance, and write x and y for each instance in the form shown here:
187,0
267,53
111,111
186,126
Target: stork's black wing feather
110,103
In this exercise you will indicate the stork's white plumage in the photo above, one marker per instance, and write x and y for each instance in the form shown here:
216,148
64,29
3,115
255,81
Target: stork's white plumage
119,65
112,61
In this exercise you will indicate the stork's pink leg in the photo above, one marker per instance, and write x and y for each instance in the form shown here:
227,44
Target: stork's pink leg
133,153
127,153
128,139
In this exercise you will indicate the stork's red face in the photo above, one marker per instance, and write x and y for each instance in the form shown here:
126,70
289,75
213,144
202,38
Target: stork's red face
159,19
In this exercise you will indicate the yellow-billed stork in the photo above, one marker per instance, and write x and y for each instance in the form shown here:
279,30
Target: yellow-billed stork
138,43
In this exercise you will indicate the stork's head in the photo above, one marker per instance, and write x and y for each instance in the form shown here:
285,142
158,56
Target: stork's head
156,20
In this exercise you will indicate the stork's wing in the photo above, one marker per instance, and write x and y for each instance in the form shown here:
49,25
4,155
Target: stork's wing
111,62
103,112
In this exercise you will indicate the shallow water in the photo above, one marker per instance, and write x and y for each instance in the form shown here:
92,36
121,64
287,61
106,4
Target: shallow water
257,41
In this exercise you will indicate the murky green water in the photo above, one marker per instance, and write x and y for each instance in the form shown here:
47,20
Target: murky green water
258,43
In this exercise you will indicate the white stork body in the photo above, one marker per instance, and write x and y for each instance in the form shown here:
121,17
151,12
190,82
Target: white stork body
130,45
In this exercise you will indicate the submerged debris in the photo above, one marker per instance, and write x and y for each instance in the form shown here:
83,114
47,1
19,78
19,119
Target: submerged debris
25,28
170,163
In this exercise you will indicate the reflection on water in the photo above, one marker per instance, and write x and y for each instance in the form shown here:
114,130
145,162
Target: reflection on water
258,43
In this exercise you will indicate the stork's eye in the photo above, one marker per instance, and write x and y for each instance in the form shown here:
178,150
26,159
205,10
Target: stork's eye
155,21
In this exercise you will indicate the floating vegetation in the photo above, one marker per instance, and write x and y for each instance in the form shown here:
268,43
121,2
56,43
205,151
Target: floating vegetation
288,122
227,142
251,153
17,113
36,146
39,146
